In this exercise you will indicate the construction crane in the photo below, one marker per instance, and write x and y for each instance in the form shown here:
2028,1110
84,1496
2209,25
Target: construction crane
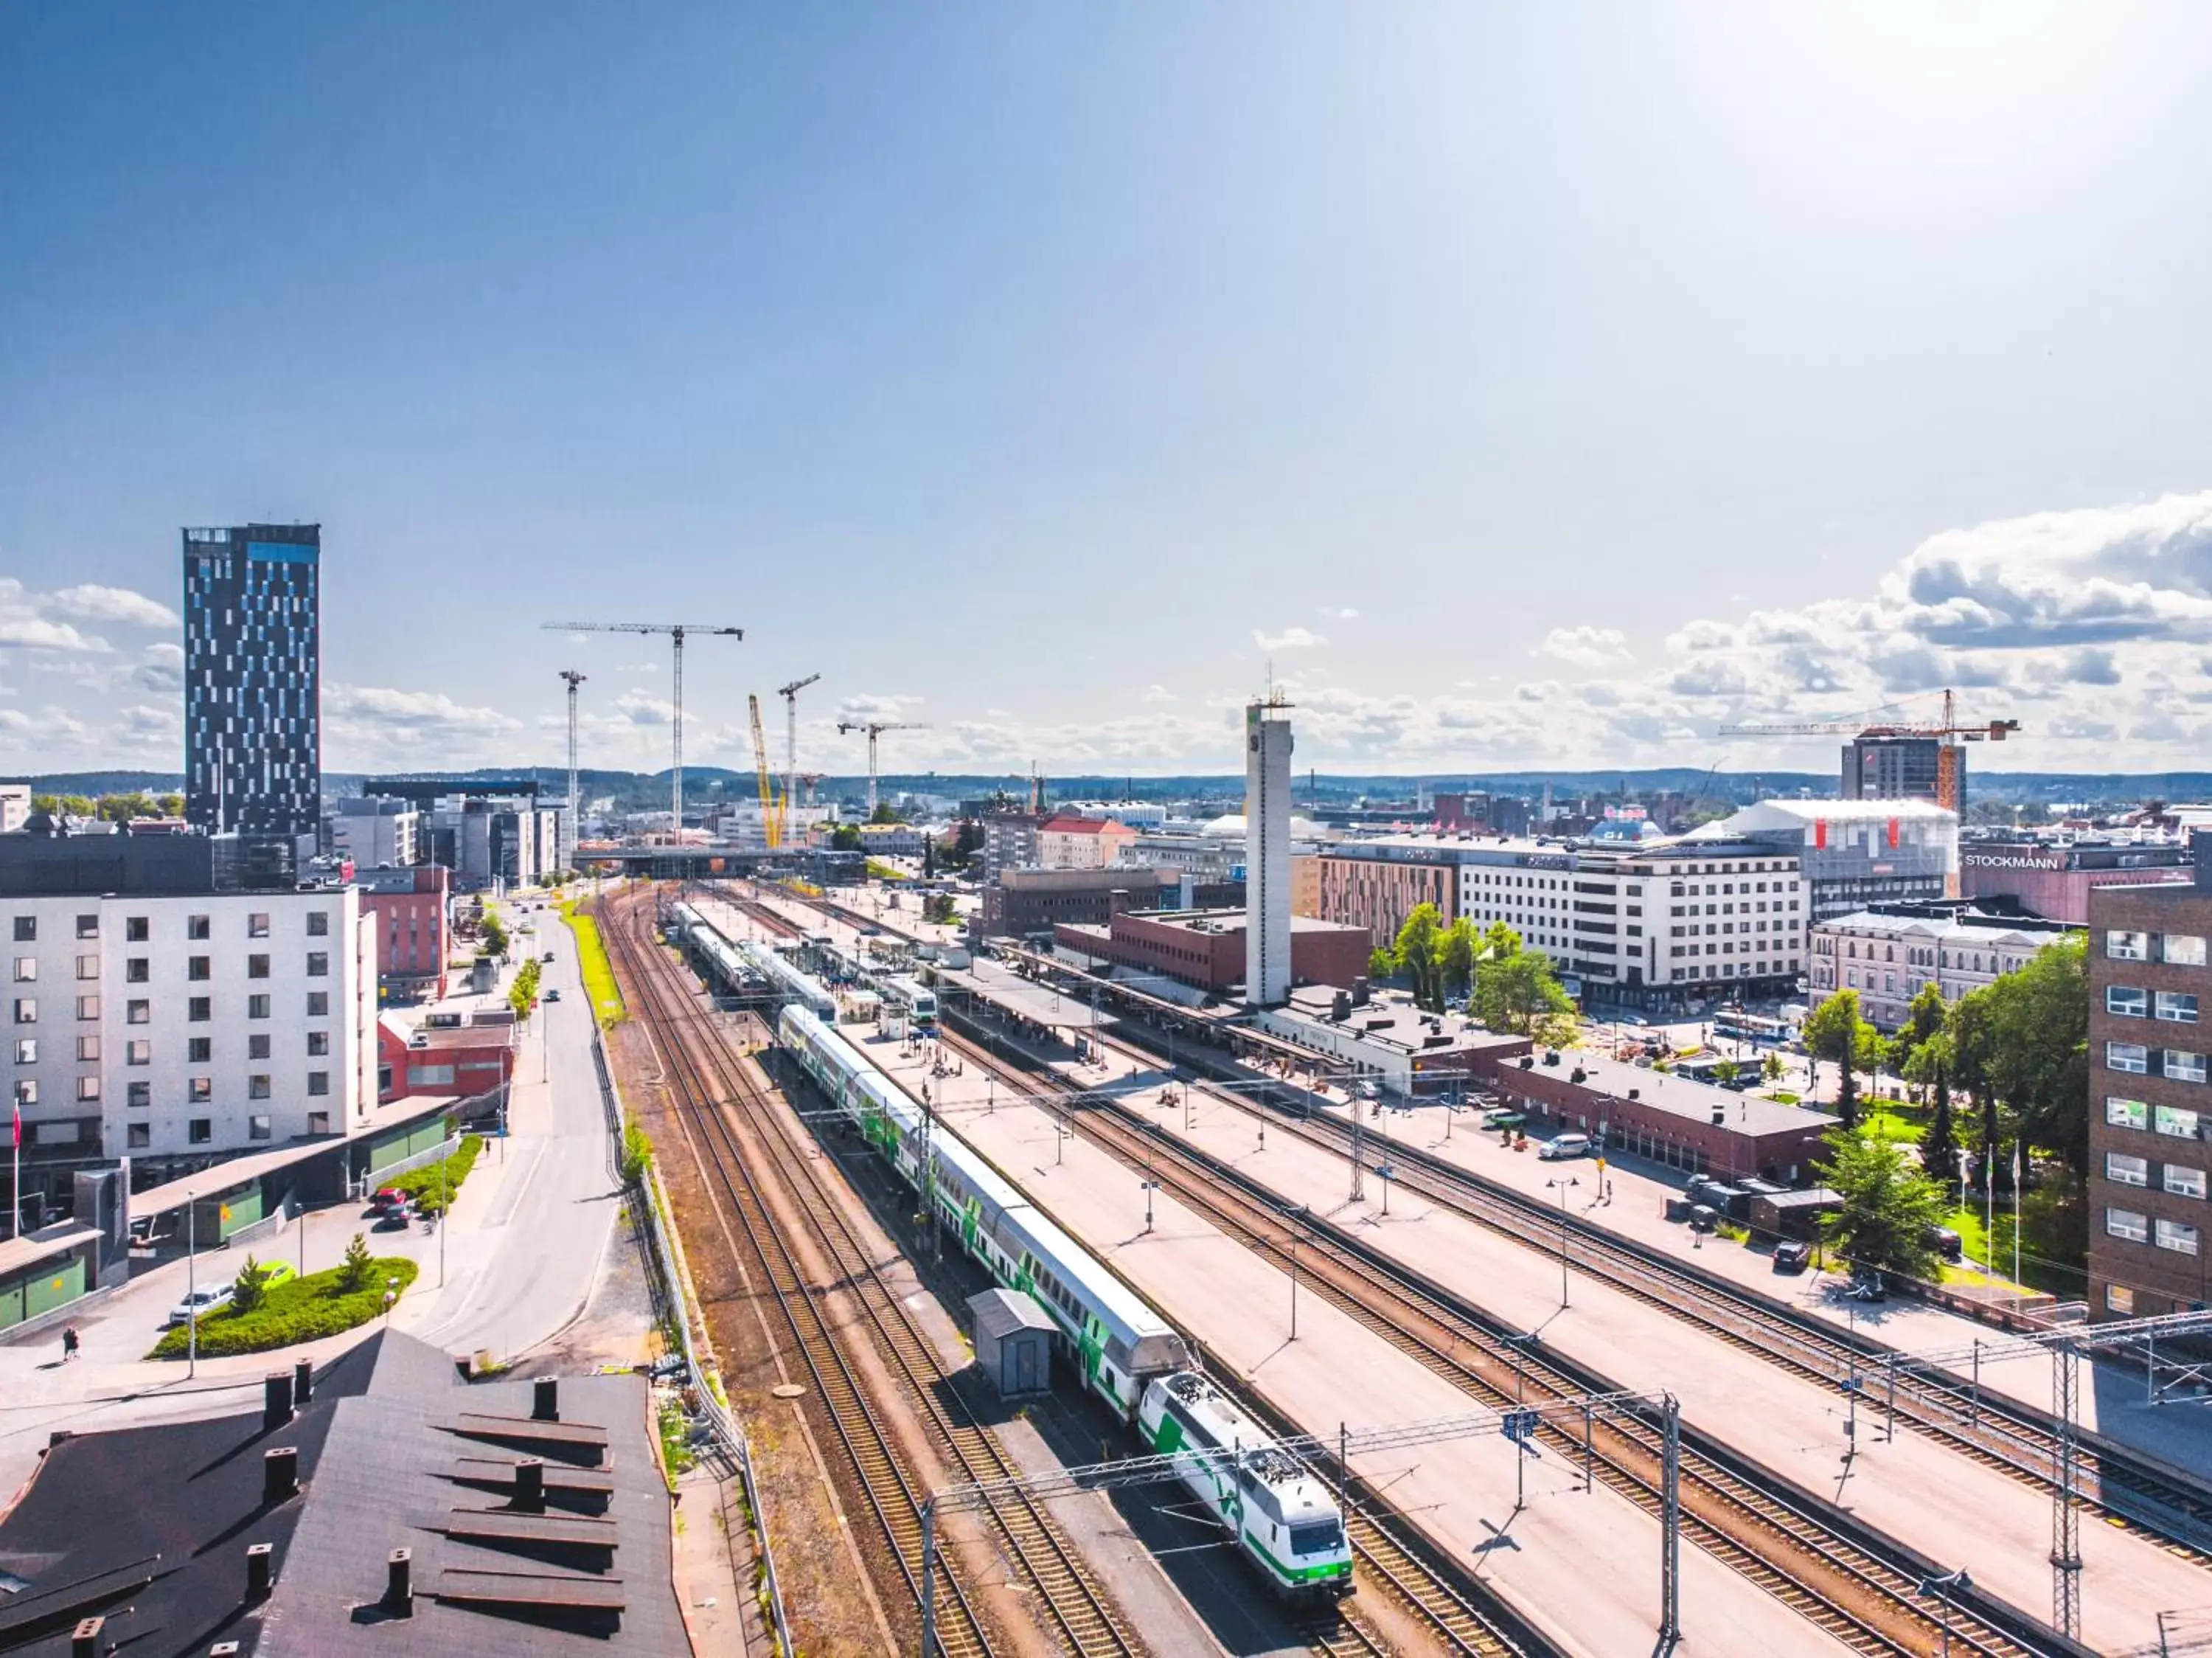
1947,730
676,632
575,806
876,729
790,695
768,825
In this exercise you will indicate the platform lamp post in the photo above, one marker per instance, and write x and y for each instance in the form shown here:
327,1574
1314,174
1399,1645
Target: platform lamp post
1150,1186
1386,1172
1940,1589
1562,1186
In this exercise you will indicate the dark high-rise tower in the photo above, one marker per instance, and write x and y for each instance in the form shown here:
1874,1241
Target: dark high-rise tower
253,718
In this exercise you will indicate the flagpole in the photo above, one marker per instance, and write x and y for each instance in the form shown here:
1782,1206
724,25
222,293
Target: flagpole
2015,1211
16,1178
1989,1206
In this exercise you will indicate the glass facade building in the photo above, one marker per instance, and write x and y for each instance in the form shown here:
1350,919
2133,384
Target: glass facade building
253,744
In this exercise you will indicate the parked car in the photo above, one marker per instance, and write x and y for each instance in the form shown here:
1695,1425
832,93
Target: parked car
199,1302
395,1217
1565,1145
386,1197
553,995
275,1272
1867,1285
1791,1254
1502,1116
549,956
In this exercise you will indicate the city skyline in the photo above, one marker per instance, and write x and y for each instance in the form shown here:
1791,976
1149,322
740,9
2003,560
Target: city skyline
1052,382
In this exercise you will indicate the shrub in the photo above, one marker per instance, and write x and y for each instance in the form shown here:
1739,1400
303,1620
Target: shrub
303,1310
353,1272
637,1152
422,1185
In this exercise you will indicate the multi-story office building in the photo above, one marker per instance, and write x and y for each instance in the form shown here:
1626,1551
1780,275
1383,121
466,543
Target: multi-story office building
2054,878
253,746
1065,841
1887,955
409,912
2150,1110
376,833
1854,853
1010,841
150,1015
15,806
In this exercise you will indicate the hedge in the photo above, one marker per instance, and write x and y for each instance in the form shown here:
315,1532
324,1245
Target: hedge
302,1309
421,1185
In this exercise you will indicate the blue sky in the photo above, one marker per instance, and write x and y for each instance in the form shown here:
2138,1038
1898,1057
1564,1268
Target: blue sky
1529,385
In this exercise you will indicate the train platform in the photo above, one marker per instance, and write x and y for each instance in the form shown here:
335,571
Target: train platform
1953,1509
1583,1566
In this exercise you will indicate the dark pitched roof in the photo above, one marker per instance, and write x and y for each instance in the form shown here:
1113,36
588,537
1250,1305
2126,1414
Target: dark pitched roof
156,1522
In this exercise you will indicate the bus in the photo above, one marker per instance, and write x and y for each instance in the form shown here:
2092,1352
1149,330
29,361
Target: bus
1752,1027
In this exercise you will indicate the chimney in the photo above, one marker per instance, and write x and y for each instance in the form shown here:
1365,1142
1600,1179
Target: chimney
275,1400
280,1474
303,1383
530,1483
1339,1006
399,1583
546,1399
84,1639
260,1563
1360,991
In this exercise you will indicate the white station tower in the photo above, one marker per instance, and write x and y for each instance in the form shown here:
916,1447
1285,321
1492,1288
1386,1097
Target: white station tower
1267,851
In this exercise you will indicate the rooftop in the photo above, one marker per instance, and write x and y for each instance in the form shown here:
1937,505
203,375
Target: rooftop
1685,1097
1943,921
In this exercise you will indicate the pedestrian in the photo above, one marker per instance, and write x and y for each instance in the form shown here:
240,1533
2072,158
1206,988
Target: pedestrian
68,1342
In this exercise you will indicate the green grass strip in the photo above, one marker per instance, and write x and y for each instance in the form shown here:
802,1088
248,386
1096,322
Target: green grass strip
300,1309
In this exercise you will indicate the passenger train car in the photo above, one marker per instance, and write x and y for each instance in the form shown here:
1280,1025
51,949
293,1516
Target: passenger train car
1117,1341
734,963
911,1000
1283,1518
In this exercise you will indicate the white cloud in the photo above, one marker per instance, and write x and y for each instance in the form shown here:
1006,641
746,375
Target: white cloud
93,603
638,707
37,633
1290,638
1339,613
1159,693
1585,646
865,706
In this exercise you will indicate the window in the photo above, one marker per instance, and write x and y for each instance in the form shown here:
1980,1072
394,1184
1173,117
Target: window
319,1004
2182,1181
2130,1057
139,1135
318,1082
196,927
257,1086
27,929
139,1013
257,1127
140,1052
88,966
138,970
202,1090
26,1091
199,1130
199,967
27,1010
2119,1298
88,926
87,1050
27,969
27,1050
318,964
136,929
318,1121
319,1044
200,1009
88,1006
2178,1006
2127,1002
2183,1067
257,966
256,1046
2178,1235
2173,1120
2127,1223
87,1088
2121,1169
140,1094
318,924
2127,947
199,1050
2182,949
256,1007
257,925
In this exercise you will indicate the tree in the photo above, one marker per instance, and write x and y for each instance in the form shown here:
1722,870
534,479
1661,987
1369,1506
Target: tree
1834,1031
1515,991
172,806
885,813
928,858
1772,1069
1970,1034
1888,1206
522,994
1416,951
966,839
247,1291
2039,1062
1381,964
1939,1147
494,931
358,1267
1455,949
845,838
1923,1022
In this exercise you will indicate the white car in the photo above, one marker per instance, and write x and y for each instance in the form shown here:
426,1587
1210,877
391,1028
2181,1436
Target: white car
1565,1145
199,1302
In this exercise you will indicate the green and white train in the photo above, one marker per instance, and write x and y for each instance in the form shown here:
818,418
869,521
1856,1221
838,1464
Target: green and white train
1283,1518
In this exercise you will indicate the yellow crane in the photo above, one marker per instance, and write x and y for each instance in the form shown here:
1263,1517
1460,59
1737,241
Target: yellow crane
766,788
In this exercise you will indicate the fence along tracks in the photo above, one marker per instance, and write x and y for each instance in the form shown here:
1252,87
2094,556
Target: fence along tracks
713,1078
1859,1593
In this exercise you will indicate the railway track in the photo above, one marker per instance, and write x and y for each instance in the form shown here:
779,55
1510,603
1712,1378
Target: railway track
1843,1579
713,1078
2126,1491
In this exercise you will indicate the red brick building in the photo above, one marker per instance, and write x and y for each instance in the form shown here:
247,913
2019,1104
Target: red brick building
1206,947
409,912
461,1060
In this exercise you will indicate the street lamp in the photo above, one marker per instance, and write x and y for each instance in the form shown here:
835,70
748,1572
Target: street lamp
1150,1187
1562,1186
1940,1589
1388,1173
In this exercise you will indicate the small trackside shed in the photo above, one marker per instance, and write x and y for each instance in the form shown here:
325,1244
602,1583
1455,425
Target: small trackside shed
1014,1341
